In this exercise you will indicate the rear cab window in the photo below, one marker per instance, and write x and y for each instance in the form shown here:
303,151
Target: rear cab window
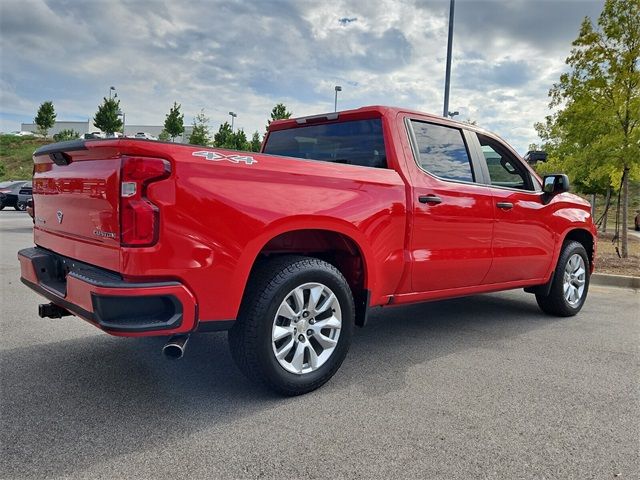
355,142
442,152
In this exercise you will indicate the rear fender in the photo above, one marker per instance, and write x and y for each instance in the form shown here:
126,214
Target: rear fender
291,224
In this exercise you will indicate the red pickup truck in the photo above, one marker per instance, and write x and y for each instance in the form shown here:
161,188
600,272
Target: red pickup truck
289,248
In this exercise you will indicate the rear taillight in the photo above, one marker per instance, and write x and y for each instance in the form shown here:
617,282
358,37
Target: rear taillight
139,218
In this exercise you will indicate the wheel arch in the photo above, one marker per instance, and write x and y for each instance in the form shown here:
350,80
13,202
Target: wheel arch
586,239
340,245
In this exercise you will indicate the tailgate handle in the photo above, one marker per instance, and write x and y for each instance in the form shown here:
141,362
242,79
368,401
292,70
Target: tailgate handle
505,205
430,199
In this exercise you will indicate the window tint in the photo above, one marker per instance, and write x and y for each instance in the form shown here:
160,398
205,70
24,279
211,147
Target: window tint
442,151
357,142
504,169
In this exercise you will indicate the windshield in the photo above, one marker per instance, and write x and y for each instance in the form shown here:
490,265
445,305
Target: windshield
358,142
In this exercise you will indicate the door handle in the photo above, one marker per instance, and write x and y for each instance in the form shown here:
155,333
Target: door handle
430,199
505,205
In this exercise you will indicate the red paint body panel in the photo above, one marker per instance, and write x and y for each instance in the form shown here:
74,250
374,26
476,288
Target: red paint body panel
216,216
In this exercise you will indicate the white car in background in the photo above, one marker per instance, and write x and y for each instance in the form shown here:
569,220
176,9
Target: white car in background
145,135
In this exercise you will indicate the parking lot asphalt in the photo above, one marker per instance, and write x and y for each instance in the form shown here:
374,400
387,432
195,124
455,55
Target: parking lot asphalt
480,387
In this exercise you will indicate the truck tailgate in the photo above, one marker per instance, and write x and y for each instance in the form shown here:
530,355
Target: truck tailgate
76,189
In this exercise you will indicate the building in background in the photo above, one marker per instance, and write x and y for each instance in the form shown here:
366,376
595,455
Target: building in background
80,127
89,127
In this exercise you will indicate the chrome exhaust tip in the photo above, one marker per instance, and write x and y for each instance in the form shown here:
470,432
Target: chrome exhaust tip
175,347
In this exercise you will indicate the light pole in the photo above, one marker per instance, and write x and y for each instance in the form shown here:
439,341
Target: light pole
233,115
447,80
338,88
121,114
110,90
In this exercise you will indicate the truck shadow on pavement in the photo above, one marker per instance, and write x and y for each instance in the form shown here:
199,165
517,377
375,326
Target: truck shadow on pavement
68,405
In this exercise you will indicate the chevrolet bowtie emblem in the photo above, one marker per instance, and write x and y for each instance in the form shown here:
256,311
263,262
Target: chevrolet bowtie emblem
59,215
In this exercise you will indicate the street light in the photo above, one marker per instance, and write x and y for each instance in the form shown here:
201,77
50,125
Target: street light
338,88
453,114
447,80
120,113
233,115
110,90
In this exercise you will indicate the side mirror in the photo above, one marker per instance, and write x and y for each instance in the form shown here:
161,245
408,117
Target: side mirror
555,184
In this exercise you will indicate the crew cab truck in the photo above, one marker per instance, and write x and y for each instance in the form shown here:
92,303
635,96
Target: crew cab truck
289,248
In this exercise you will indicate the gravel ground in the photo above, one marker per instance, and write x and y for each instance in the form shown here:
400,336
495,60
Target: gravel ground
481,387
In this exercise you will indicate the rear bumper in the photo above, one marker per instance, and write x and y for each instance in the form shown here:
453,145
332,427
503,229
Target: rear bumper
104,299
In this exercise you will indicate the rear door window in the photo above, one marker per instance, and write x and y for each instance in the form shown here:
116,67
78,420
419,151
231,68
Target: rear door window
442,151
357,142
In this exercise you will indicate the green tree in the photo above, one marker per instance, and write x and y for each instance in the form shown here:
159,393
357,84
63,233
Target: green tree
45,118
256,142
174,122
279,112
239,140
594,133
164,136
106,118
66,134
200,133
224,137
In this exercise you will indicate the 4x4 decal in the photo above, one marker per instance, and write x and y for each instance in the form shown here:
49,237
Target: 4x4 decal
218,157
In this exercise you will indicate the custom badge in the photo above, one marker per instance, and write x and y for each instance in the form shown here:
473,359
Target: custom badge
219,157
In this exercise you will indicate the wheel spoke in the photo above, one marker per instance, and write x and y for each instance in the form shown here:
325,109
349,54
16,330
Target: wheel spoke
324,341
326,304
281,332
313,357
314,296
299,297
331,322
298,357
285,349
286,311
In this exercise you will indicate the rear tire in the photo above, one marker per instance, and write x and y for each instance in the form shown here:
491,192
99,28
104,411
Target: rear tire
570,282
295,324
21,206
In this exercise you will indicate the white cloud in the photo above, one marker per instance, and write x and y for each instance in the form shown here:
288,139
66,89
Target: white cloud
247,56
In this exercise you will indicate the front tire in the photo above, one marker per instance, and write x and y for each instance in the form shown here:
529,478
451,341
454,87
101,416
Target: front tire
570,282
295,324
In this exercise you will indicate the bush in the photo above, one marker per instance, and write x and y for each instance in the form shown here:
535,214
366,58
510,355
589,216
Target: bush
66,135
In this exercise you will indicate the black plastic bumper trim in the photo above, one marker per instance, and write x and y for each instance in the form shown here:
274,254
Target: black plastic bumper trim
142,313
76,310
214,325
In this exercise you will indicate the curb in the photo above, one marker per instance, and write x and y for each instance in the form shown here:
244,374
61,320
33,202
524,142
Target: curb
622,281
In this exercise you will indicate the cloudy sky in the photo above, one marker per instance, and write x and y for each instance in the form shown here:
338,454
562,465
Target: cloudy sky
246,56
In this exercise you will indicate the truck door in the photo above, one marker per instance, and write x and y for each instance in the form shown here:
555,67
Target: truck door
523,240
453,214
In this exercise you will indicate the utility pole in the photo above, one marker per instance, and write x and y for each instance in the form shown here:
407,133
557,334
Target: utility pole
338,88
233,115
447,81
